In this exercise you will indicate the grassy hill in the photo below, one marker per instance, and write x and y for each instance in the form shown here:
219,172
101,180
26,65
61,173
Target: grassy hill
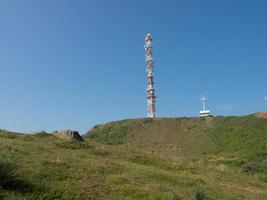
164,158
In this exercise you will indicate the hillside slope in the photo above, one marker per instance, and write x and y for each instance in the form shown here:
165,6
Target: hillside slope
245,137
168,158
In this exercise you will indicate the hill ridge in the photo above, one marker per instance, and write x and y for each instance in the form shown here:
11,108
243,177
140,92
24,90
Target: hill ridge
166,158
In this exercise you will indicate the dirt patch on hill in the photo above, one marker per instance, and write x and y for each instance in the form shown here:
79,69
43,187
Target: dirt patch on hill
245,189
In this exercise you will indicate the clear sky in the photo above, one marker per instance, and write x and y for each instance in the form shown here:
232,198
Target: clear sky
76,63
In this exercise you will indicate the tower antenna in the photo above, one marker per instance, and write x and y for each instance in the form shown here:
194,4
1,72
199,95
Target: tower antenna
204,112
151,97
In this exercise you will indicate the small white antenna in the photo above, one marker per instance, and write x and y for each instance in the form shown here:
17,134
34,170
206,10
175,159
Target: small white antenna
202,100
204,112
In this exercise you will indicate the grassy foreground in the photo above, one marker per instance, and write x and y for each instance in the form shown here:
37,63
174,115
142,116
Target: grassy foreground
169,158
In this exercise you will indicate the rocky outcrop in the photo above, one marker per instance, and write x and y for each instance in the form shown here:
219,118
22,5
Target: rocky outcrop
262,115
68,135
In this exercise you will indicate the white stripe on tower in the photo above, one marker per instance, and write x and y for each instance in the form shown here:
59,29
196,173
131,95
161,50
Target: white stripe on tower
151,98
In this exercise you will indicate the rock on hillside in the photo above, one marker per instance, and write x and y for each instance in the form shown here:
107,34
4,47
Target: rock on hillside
262,115
68,135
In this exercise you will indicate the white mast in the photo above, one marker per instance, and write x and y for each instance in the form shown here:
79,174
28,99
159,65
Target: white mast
204,112
203,99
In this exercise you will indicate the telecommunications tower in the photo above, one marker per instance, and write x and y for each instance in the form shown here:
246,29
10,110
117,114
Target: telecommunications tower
151,98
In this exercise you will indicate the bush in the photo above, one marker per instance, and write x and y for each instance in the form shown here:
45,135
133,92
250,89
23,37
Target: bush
199,194
9,179
255,167
7,173
8,135
111,134
175,196
42,134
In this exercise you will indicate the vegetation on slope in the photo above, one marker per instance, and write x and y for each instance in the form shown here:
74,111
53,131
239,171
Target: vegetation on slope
169,158
245,137
232,143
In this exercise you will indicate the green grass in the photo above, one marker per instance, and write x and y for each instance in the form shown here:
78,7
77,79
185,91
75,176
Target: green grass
167,158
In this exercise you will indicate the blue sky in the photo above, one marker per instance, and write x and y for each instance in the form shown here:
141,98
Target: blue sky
76,63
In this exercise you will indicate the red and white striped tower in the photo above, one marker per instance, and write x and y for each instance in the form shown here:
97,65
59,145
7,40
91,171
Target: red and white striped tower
151,98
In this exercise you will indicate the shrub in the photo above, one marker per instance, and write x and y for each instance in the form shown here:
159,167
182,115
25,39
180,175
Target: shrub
175,196
199,194
255,167
112,134
8,135
7,173
9,179
42,134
